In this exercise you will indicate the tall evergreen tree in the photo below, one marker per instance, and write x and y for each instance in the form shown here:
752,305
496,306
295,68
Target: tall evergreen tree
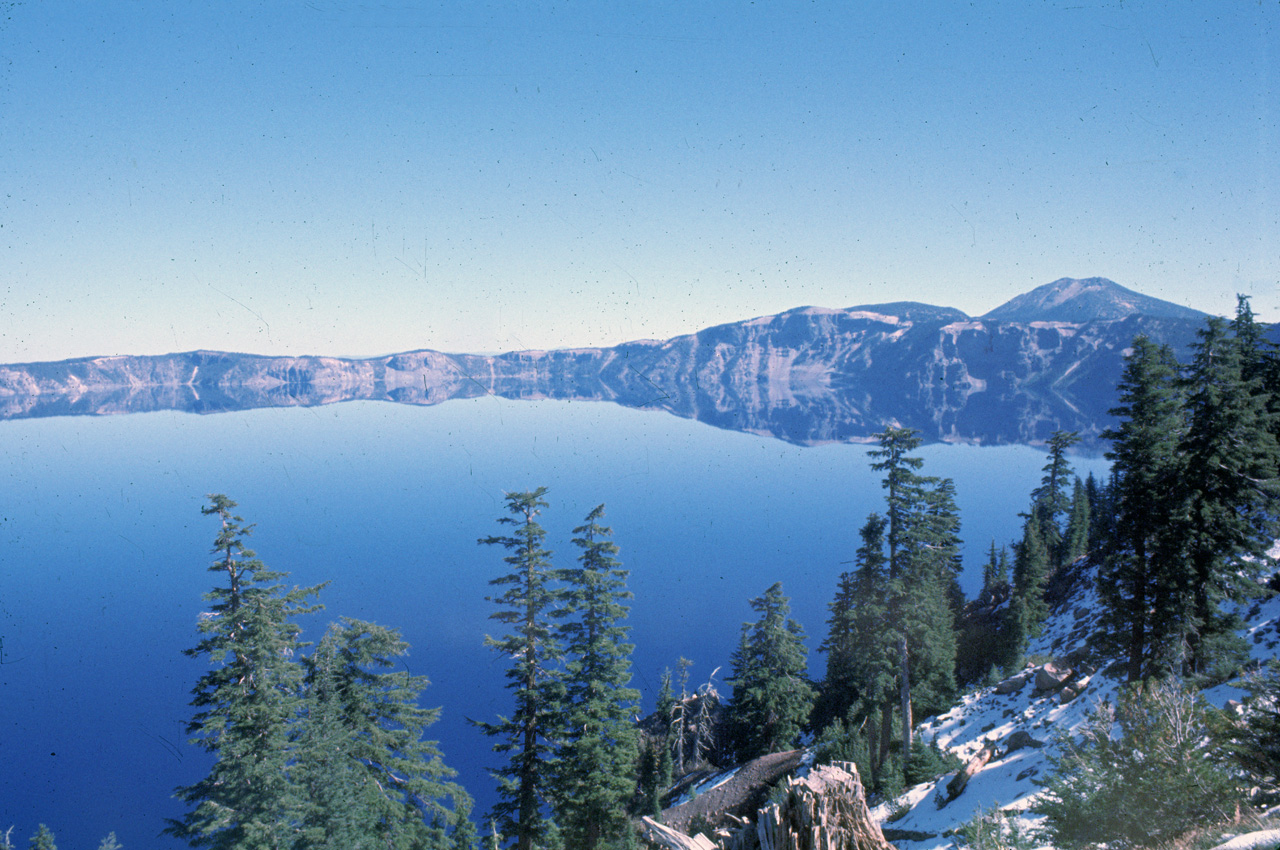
599,747
923,559
1031,568
1134,580
246,704
526,602
1076,539
995,572
1229,484
369,778
771,695
1050,502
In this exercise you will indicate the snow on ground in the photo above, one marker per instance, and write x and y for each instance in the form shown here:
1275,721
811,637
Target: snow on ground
706,785
985,718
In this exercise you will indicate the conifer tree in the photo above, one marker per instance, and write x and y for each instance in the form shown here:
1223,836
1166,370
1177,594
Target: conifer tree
995,572
110,842
923,559
1031,569
771,694
246,704
1076,539
1228,484
1134,583
1050,501
598,747
526,602
368,777
43,839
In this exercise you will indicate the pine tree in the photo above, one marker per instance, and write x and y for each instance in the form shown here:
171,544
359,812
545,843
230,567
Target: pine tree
43,839
247,703
110,842
1076,539
1229,485
923,561
1134,581
995,572
1031,569
1050,501
599,743
771,694
526,602
370,780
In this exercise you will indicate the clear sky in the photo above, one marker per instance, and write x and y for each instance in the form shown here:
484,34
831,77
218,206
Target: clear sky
357,179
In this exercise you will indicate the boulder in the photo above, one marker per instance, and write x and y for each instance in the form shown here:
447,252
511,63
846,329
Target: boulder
1013,684
1020,740
1050,677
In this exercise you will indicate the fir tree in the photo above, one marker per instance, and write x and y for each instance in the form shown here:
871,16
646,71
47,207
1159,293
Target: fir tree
43,839
1134,583
1050,501
110,843
1031,569
923,559
995,572
598,749
1229,488
370,779
1076,539
771,694
526,602
246,704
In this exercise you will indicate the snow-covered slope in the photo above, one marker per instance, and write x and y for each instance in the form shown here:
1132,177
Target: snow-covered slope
1032,717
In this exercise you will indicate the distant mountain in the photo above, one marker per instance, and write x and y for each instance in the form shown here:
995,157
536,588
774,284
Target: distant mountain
809,375
1093,299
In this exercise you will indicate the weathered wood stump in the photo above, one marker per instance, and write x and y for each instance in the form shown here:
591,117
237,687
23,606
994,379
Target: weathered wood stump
826,810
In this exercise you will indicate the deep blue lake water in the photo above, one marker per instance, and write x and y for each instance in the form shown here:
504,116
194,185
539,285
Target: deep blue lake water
103,551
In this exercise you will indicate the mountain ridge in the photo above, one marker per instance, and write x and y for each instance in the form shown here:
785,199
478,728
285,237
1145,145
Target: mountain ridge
807,375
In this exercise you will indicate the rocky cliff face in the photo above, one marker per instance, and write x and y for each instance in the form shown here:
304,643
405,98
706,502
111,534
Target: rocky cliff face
809,375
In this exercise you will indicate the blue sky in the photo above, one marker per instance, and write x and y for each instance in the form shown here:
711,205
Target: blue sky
334,178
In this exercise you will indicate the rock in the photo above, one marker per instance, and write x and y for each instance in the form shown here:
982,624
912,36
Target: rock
958,782
1013,684
1070,692
826,810
1020,740
1050,677
1252,840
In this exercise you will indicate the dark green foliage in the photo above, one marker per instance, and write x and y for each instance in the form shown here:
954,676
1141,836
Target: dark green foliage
598,747
465,836
1050,502
246,703
995,572
923,559
1075,541
771,694
860,660
1134,581
1031,568
649,781
526,601
43,839
1156,779
927,762
1253,740
367,778
1228,489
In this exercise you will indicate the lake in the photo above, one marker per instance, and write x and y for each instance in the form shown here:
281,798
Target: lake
103,551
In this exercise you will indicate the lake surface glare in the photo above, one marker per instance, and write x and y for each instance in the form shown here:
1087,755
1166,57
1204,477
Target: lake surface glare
103,556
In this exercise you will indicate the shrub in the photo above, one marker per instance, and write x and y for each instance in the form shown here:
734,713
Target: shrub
927,762
993,830
1155,780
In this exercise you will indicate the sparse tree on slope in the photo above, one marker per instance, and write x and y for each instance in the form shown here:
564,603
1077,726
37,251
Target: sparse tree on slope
526,602
771,694
599,746
246,704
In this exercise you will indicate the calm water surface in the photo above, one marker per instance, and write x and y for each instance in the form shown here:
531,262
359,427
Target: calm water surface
103,552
